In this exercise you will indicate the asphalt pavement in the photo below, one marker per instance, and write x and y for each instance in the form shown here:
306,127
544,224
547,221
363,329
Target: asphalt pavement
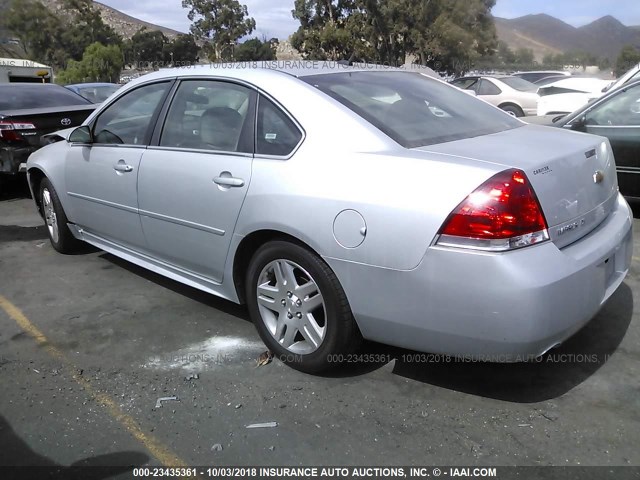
89,343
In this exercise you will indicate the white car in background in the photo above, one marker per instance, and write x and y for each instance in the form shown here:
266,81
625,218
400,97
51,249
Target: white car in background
539,75
514,95
567,95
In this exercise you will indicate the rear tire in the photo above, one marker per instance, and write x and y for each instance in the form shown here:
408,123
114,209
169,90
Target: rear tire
56,221
513,110
299,307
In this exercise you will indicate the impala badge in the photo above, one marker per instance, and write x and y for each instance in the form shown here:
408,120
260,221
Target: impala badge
598,177
66,122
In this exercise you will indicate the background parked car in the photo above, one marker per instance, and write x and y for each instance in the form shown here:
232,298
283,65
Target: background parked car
512,94
536,76
569,94
30,110
94,92
617,117
549,80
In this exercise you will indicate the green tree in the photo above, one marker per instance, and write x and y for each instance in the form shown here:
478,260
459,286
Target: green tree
333,29
525,57
255,50
55,39
84,26
451,35
99,64
36,27
448,35
146,46
628,58
221,23
182,50
549,60
580,58
508,57
604,63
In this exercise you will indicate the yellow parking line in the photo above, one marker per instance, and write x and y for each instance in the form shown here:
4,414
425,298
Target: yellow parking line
162,453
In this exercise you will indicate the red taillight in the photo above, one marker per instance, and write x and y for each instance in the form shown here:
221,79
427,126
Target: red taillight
9,133
502,214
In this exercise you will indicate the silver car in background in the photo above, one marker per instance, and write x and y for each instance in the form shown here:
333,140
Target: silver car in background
346,203
514,95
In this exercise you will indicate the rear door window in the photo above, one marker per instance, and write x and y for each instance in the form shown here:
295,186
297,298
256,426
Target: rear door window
488,88
210,115
277,134
466,83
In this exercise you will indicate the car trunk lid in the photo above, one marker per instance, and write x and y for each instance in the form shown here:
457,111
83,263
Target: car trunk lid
573,174
29,125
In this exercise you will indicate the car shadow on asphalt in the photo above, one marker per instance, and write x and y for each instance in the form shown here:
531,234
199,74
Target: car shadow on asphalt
549,377
225,306
15,233
14,188
14,452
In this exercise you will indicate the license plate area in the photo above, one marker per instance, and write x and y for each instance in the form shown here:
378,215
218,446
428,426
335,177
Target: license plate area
616,265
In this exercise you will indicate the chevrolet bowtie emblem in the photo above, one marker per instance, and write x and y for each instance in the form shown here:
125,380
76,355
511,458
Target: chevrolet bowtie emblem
598,177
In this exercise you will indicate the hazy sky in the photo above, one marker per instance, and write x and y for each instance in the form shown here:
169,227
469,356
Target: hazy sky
273,17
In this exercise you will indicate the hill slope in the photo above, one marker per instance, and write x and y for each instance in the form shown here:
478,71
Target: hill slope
545,34
124,24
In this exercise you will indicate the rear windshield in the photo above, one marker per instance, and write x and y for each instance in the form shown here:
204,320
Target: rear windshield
18,97
412,109
519,84
97,94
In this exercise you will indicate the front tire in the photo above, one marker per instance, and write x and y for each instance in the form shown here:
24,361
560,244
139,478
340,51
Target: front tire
299,307
513,110
56,221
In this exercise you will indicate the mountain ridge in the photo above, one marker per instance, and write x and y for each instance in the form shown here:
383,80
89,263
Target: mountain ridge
544,34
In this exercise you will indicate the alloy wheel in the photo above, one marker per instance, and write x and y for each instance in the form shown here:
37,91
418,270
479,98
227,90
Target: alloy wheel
50,215
291,306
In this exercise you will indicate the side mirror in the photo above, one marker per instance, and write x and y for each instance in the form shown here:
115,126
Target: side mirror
579,124
471,92
81,135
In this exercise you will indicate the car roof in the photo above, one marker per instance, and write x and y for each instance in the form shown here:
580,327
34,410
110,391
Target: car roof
590,83
32,86
554,72
29,85
253,70
496,76
94,84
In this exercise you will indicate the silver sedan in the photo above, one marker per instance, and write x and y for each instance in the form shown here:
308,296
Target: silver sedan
345,203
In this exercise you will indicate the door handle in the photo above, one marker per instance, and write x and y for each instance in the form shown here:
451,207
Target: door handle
121,167
229,181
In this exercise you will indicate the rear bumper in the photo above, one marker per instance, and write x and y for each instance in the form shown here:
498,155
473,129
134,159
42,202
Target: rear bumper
496,307
12,157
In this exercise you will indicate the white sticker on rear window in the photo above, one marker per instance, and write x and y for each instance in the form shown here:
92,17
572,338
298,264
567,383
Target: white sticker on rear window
270,136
